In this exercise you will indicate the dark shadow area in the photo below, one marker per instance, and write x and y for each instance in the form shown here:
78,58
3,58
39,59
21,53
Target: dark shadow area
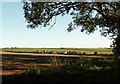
65,70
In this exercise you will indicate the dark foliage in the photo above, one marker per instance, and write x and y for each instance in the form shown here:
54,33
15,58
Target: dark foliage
83,71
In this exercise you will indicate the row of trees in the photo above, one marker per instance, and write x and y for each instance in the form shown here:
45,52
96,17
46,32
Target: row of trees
88,15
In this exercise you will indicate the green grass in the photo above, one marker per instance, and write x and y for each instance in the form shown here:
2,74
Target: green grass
81,50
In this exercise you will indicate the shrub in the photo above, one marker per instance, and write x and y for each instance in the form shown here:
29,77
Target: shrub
37,51
84,53
95,53
34,70
55,61
71,53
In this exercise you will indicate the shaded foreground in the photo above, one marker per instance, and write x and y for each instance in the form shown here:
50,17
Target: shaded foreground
93,77
62,70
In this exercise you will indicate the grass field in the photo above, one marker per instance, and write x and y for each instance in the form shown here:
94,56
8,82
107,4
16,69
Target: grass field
59,50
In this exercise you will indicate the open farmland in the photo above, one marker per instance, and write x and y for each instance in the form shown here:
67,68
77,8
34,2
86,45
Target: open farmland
61,50
20,59
16,62
57,66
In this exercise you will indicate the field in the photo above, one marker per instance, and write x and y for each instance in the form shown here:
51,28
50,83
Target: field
60,50
86,65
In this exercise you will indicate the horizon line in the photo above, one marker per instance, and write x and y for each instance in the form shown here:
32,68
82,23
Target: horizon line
55,47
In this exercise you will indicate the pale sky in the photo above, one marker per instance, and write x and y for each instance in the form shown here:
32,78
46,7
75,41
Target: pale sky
16,34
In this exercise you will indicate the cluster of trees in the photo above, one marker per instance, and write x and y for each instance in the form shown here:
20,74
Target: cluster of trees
88,15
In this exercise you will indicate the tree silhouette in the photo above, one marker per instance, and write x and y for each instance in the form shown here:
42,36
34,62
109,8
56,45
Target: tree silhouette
91,16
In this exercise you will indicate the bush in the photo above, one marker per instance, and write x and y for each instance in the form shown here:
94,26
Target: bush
34,70
95,53
55,61
84,53
37,51
71,53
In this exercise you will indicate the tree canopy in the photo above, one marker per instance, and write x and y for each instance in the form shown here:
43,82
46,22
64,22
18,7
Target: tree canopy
88,15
